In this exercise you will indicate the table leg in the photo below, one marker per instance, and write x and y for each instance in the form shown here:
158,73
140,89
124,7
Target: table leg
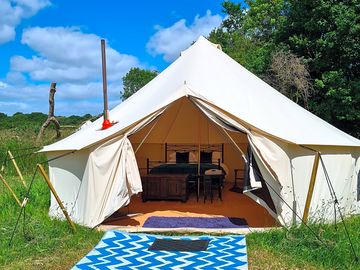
198,189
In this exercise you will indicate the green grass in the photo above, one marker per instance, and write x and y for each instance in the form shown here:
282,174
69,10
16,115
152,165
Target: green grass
39,242
300,246
44,243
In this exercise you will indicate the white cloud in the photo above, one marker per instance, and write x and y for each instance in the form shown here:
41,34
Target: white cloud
13,11
68,55
26,93
13,107
7,33
3,85
15,78
69,98
73,60
92,90
170,41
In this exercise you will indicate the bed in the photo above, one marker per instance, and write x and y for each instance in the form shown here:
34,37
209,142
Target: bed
171,179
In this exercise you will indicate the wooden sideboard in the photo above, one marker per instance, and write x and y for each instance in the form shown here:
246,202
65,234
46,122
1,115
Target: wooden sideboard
164,187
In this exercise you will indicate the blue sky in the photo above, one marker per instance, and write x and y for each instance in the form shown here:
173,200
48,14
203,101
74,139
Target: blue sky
48,40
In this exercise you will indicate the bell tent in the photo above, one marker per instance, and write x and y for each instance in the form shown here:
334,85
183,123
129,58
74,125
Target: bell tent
206,99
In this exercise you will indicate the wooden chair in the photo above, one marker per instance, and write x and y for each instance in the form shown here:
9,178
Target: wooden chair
213,180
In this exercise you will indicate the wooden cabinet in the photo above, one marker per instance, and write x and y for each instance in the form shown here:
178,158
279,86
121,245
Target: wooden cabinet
164,187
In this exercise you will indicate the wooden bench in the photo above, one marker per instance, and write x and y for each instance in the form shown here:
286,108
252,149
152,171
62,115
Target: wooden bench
164,187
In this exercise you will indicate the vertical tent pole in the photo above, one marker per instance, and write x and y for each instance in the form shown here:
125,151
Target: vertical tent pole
199,154
46,177
293,191
17,168
311,187
222,153
10,189
199,138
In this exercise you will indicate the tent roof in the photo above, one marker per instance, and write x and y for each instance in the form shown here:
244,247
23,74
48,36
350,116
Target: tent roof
204,71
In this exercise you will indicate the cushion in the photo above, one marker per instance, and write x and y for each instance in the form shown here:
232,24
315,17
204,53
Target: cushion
205,157
213,172
182,157
193,157
216,156
172,157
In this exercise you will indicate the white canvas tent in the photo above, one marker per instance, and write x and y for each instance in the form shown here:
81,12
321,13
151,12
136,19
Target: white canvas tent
101,172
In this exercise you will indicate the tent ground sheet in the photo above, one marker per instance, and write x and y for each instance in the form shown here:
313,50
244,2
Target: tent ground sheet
119,250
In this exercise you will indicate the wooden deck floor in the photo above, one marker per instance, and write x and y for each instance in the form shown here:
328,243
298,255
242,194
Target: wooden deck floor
232,205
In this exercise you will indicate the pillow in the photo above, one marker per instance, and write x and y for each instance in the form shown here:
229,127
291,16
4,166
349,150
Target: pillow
216,156
172,157
205,157
182,157
193,157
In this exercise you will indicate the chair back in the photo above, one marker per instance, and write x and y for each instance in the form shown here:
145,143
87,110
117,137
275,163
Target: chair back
213,172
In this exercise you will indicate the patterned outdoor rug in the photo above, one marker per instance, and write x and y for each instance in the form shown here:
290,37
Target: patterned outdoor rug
119,250
195,222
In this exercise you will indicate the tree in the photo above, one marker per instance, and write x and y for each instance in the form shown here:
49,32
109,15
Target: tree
264,18
300,47
290,76
51,116
135,79
327,35
237,40
235,17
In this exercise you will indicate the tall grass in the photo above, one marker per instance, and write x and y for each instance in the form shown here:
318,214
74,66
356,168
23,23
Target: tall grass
23,146
40,242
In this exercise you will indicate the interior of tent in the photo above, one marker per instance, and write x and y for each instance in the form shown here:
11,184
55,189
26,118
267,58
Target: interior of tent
171,182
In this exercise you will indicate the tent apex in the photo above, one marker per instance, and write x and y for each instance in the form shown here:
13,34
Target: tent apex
202,39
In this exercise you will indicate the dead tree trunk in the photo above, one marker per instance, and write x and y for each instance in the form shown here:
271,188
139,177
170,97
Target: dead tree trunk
51,117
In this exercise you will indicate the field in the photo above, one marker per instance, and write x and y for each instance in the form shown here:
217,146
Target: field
42,243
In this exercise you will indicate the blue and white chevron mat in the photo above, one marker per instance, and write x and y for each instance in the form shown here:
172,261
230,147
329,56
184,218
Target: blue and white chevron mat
119,250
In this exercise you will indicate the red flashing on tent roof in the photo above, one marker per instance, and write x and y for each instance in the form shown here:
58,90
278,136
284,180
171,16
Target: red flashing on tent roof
106,124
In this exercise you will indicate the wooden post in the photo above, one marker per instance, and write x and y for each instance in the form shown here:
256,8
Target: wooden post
10,189
17,168
51,117
311,187
46,177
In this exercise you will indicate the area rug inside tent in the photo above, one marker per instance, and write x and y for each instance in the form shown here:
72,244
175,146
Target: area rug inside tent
119,250
195,222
